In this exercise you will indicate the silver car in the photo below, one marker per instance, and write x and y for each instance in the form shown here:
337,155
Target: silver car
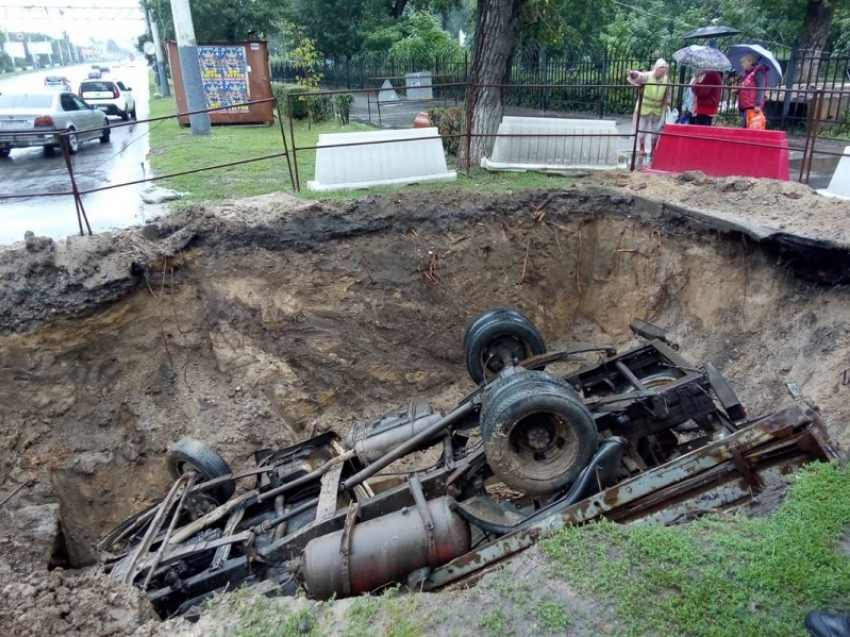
36,119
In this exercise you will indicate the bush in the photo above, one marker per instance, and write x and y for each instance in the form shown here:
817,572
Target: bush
342,106
302,102
448,121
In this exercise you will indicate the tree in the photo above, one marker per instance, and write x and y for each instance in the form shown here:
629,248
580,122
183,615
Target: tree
495,43
220,20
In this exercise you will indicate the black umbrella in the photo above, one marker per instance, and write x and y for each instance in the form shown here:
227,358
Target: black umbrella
710,32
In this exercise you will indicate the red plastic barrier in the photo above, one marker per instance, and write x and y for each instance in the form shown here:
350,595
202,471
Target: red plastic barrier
718,151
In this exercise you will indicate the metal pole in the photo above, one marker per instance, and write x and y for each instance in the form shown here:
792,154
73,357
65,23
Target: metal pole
637,126
292,137
792,72
190,66
285,146
816,129
162,76
11,57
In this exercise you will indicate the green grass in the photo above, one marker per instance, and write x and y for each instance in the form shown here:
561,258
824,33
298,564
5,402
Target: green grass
175,149
719,576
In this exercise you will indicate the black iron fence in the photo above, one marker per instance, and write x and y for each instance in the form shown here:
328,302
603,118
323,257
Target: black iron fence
586,82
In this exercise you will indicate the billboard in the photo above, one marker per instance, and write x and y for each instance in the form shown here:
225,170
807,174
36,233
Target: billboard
15,49
224,75
40,48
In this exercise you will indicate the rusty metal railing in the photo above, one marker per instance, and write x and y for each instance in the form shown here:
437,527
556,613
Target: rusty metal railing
62,139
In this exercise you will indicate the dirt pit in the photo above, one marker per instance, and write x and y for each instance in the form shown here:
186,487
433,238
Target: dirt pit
262,322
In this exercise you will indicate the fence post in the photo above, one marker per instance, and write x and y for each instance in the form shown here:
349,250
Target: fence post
603,77
790,74
545,96
636,120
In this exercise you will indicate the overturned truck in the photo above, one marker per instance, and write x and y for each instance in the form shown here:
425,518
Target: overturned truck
639,435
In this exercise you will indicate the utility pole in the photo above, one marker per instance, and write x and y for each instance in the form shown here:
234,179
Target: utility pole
11,57
162,76
59,48
190,66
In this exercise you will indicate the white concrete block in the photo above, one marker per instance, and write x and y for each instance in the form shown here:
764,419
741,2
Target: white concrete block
544,149
387,92
418,85
409,156
839,185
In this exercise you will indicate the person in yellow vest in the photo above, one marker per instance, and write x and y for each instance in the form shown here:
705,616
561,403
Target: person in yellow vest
656,98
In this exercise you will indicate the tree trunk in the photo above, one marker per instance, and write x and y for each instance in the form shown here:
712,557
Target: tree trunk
495,42
816,27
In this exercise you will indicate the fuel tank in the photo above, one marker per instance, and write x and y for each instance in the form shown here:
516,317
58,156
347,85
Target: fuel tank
384,550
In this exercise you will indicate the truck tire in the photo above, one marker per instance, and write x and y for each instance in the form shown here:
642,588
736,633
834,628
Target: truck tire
538,434
497,338
190,454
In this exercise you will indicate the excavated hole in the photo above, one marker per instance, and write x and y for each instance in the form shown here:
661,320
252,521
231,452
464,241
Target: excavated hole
257,340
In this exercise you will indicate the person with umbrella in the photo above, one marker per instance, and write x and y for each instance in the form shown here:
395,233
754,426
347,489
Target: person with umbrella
656,97
707,90
707,86
760,70
751,90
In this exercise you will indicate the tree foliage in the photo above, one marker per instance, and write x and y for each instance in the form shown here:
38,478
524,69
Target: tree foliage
220,20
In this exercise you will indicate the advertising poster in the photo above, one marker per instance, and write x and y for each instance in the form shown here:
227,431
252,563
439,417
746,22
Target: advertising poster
224,73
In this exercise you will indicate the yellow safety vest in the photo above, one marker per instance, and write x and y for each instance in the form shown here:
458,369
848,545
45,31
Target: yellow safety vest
653,97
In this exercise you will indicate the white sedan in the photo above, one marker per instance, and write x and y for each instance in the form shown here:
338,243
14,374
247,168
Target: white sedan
37,119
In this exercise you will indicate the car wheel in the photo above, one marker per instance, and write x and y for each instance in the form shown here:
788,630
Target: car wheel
73,143
106,133
5,152
190,454
133,113
497,338
538,434
125,116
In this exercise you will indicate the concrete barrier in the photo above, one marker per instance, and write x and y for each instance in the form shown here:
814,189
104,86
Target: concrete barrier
543,149
719,151
839,185
413,155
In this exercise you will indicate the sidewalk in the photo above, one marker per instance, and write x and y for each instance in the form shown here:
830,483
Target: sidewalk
399,115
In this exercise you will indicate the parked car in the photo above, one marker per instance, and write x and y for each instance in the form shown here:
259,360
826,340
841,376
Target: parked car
95,75
110,96
638,435
58,81
38,119
104,69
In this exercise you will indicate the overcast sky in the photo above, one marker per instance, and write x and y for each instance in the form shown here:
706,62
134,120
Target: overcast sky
120,20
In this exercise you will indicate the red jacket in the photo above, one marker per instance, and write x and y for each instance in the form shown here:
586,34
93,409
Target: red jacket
751,94
707,93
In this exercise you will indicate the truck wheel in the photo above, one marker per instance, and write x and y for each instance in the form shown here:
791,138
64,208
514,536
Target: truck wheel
497,338
538,434
4,152
193,455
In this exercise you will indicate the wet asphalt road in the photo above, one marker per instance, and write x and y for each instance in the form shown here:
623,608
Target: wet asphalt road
28,172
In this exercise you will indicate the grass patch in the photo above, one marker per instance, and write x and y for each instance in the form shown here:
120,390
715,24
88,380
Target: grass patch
719,576
175,149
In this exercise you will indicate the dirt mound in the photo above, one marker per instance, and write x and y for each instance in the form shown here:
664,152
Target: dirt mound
61,603
272,319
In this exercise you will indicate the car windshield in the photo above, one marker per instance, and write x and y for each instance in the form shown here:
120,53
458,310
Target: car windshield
96,86
26,101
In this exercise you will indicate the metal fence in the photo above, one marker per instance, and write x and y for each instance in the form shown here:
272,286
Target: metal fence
586,82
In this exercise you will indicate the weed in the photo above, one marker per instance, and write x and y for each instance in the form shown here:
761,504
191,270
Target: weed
495,623
552,616
360,617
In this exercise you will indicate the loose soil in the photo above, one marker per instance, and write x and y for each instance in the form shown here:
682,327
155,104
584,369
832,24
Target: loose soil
264,321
